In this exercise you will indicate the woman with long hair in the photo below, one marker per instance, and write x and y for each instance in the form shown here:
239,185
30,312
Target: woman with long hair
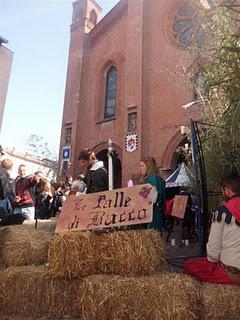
150,174
43,200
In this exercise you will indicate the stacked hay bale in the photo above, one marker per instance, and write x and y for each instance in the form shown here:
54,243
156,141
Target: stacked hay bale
20,246
220,302
29,292
79,254
124,276
97,276
129,253
158,297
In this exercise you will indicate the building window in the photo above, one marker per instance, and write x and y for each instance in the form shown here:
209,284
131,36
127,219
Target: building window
93,17
68,134
132,122
111,90
187,26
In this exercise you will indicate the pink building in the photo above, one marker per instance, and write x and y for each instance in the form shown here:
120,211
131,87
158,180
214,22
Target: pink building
5,67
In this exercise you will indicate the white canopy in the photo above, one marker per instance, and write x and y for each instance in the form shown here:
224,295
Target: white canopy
181,177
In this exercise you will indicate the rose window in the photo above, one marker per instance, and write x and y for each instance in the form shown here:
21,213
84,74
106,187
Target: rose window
187,26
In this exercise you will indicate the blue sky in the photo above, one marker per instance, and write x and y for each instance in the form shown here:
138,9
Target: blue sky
38,34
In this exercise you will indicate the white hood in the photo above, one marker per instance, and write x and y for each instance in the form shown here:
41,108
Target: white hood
96,165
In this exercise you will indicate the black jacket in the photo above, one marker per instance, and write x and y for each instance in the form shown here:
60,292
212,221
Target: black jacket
56,204
7,185
42,206
96,178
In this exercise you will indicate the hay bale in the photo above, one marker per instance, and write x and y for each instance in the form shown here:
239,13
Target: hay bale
158,297
220,302
129,252
31,293
20,246
133,252
72,255
48,225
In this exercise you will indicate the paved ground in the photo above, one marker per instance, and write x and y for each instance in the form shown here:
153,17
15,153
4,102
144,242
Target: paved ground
178,253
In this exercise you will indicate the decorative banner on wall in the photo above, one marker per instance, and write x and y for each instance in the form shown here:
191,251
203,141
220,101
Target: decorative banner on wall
179,206
119,207
131,142
66,153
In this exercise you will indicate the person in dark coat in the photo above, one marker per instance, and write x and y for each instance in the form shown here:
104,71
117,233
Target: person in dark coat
96,177
43,200
7,187
57,200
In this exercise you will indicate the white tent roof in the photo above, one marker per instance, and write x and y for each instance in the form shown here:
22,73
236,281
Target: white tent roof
181,177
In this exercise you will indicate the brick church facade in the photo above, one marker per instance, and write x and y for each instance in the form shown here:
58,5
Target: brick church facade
126,75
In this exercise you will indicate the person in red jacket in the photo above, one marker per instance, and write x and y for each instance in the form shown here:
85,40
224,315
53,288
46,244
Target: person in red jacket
24,203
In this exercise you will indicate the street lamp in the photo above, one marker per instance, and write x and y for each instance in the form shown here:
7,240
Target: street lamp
110,165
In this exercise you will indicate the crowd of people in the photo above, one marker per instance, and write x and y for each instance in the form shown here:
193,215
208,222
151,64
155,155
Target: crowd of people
32,196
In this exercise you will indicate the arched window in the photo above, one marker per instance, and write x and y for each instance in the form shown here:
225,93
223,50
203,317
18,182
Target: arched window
111,90
93,17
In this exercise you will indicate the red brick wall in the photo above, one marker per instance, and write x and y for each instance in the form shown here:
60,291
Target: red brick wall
134,38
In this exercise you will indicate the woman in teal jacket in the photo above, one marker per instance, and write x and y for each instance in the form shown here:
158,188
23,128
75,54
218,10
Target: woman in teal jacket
150,174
